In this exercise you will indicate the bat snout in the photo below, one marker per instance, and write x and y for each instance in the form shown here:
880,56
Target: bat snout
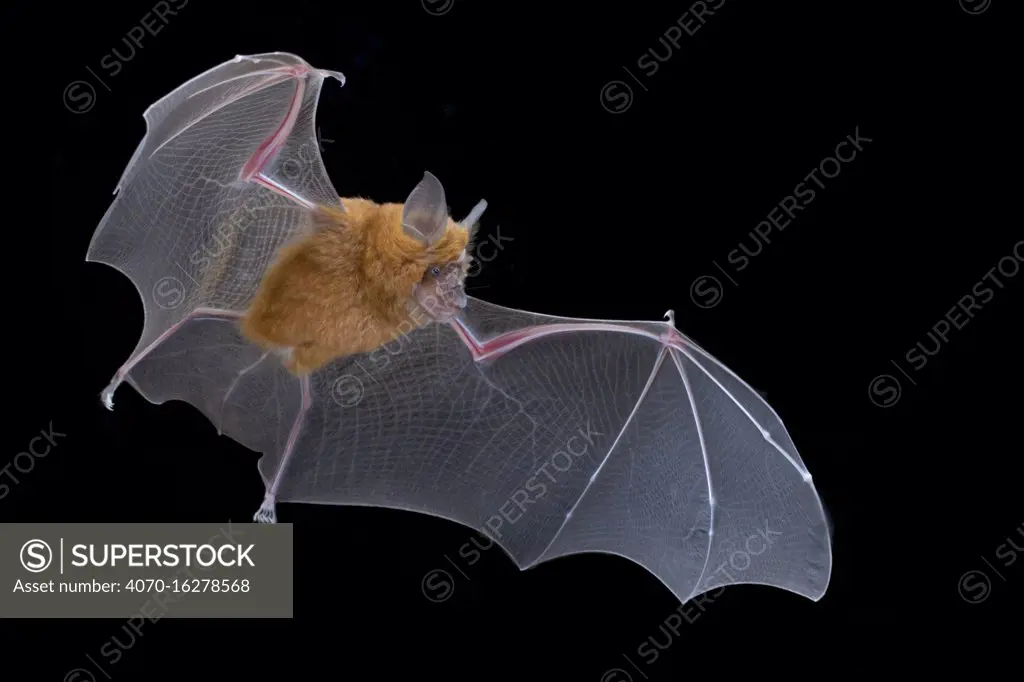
440,303
442,294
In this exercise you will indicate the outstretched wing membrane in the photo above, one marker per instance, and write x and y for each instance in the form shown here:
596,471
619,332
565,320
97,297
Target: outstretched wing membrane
226,174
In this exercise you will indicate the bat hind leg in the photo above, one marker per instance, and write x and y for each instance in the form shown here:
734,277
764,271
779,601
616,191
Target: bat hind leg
267,513
107,395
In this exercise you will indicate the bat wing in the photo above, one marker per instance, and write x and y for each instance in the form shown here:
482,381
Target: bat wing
227,173
558,436
555,436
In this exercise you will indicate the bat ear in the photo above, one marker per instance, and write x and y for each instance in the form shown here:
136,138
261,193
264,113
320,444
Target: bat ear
471,220
425,214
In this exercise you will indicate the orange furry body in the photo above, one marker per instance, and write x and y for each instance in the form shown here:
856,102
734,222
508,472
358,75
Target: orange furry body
348,287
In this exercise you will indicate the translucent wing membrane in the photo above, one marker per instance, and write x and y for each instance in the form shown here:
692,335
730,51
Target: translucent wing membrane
225,176
570,439
554,436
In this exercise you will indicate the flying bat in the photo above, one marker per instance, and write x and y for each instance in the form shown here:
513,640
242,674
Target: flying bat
335,337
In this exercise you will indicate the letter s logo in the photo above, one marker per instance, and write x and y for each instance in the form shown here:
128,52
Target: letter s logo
36,556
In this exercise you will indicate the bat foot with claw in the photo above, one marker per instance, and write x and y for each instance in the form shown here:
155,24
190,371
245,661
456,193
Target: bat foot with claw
267,513
107,396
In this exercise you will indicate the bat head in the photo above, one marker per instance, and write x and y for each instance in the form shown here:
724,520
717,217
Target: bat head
442,291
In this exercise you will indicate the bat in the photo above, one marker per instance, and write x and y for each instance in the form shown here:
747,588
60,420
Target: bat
552,435
365,271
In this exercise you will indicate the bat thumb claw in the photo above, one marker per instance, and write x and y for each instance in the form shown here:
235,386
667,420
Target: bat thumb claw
267,513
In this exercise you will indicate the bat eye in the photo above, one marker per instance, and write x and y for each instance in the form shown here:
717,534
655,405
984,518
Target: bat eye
435,271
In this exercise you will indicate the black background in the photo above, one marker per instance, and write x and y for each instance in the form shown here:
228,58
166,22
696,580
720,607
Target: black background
610,215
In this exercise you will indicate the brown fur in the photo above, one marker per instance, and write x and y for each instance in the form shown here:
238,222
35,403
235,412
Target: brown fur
347,288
